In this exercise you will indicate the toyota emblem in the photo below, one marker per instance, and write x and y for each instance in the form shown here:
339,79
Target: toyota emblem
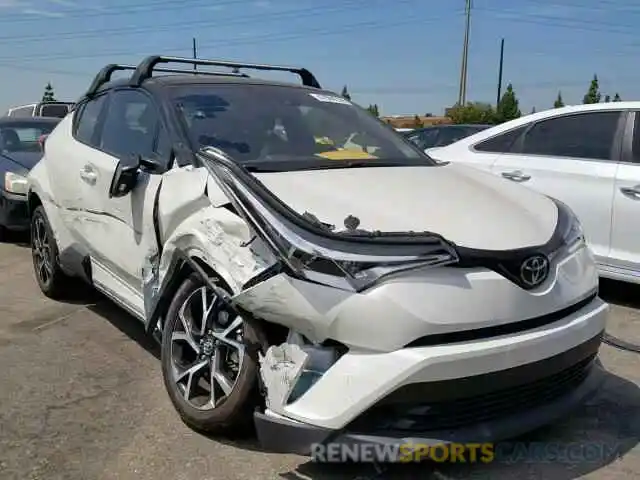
534,270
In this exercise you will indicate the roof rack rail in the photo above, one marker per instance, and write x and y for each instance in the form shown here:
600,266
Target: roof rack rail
104,75
145,69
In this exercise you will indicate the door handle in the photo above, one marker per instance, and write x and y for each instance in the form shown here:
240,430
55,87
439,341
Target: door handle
88,174
516,176
631,192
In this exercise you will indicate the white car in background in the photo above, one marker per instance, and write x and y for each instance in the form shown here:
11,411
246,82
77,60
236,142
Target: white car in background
322,292
587,156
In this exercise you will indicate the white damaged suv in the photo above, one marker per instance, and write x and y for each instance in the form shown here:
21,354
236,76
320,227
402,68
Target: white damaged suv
315,291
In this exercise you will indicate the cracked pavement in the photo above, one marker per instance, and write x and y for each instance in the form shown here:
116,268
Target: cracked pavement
82,398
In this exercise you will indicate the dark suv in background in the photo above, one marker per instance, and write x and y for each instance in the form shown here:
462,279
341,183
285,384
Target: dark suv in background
441,135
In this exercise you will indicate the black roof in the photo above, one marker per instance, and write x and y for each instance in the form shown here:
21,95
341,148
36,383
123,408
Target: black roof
143,74
190,79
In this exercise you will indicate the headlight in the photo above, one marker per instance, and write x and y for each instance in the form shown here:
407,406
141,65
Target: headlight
573,235
14,183
362,273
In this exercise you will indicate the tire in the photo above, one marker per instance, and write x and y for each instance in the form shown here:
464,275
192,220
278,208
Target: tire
234,412
3,233
56,284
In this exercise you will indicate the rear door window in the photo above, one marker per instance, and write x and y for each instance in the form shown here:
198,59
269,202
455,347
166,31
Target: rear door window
586,135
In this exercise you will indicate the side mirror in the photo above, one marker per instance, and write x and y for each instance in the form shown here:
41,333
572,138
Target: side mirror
126,174
124,179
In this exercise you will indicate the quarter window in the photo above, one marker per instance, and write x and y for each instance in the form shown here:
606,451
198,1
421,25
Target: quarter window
87,128
502,143
586,135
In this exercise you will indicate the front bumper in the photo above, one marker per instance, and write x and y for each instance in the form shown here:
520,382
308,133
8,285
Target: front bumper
14,214
476,391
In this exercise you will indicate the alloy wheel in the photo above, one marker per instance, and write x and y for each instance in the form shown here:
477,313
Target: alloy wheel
41,251
207,350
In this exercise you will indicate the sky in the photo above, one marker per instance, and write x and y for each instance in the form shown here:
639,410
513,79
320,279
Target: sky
403,55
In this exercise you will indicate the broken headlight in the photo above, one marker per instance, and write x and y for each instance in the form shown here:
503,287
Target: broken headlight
573,235
352,265
360,274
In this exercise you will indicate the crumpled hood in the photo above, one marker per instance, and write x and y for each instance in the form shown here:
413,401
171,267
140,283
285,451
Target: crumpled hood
466,206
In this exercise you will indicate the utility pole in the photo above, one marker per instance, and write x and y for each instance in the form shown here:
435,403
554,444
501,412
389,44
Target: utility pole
500,72
462,95
195,53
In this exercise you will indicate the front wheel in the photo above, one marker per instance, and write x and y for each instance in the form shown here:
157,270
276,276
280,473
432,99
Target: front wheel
209,374
44,250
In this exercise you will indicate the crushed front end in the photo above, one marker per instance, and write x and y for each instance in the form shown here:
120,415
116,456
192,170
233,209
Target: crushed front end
400,338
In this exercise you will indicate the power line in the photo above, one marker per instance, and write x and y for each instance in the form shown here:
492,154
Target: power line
554,21
244,19
261,39
157,6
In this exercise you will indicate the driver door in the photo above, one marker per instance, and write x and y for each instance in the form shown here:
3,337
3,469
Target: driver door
120,233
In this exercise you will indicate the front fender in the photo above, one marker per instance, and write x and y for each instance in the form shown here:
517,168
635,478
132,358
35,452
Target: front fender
217,238
39,185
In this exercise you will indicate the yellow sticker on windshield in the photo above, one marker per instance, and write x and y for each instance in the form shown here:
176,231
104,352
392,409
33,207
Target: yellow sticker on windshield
346,154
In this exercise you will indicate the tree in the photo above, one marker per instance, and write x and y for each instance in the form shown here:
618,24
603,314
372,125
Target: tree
616,98
607,98
417,122
533,110
593,95
345,93
374,109
559,103
48,95
471,112
508,108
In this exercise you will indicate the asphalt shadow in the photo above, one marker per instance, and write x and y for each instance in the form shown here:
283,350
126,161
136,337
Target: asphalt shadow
21,239
130,326
620,293
597,434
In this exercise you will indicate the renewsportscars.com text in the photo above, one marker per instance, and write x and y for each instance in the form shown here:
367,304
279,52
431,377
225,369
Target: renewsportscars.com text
483,453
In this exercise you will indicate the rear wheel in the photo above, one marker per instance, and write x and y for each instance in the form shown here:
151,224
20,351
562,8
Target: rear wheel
50,277
209,374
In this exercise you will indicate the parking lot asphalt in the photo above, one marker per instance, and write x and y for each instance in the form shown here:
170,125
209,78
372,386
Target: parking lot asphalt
81,397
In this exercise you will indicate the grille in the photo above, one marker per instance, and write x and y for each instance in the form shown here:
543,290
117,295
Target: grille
416,417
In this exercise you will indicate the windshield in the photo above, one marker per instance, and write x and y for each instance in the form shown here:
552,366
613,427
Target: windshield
282,128
23,137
